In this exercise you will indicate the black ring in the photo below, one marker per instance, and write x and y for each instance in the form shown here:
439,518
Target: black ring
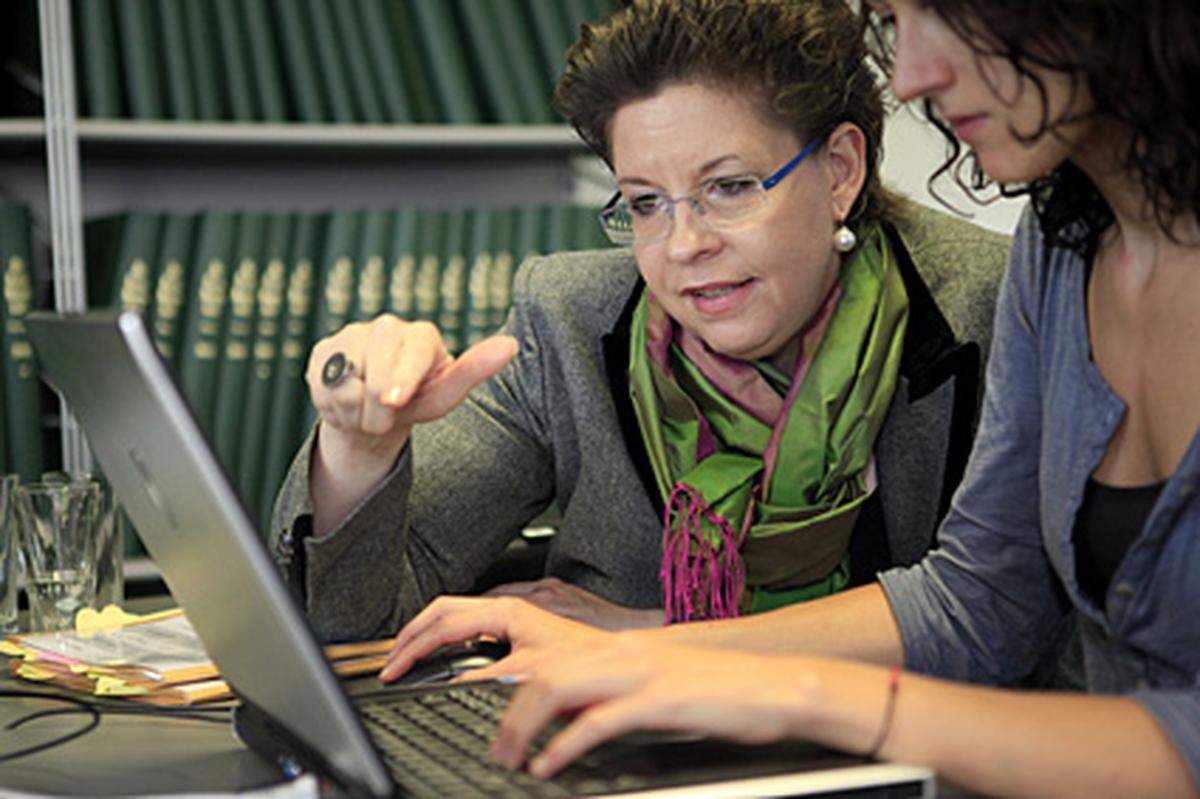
337,367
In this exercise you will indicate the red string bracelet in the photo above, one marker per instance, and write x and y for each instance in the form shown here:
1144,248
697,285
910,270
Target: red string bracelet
889,710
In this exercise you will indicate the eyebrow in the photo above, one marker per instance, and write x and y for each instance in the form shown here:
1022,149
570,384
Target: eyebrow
707,166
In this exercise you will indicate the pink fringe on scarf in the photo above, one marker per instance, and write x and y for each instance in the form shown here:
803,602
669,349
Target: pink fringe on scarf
713,576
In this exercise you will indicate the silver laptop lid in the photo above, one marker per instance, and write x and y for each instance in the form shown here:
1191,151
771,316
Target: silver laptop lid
166,476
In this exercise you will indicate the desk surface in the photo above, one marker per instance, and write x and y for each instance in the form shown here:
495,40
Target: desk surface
124,754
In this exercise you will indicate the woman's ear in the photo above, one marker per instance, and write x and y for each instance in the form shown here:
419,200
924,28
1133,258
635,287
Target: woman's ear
846,155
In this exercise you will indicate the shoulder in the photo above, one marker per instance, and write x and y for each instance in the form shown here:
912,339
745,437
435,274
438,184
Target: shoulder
589,287
960,262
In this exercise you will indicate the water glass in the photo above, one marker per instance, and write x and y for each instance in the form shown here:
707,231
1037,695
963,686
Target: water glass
57,523
110,528
10,555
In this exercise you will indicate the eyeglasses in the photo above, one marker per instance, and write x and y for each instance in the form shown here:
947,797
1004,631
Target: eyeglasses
721,203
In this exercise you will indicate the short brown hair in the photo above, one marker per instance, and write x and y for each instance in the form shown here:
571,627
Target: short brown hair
805,59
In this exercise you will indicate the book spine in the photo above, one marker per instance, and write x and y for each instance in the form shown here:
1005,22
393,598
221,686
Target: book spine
206,299
238,84
402,256
137,27
447,67
452,285
288,395
332,64
99,66
303,80
381,48
263,355
23,390
181,94
370,293
264,61
170,287
233,373
202,54
353,43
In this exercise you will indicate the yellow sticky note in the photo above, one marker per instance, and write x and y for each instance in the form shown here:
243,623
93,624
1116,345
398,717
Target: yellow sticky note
33,672
89,620
111,686
12,649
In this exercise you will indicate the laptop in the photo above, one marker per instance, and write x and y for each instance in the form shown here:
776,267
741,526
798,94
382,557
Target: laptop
391,741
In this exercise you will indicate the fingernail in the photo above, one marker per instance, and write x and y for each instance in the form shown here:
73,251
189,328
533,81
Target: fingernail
394,394
538,767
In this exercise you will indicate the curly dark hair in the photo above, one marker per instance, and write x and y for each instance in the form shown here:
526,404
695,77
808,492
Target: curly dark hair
805,61
1136,58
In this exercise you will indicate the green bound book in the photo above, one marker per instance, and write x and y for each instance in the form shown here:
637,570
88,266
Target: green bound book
302,76
402,255
385,62
353,40
524,241
264,61
431,236
336,275
181,88
556,227
170,285
371,289
138,33
519,50
234,370
548,22
202,52
447,66
490,65
134,270
238,85
452,284
22,388
207,295
101,250
289,396
332,64
588,235
99,66
403,31
256,408
476,313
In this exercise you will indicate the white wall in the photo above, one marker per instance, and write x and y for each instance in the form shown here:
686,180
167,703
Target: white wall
913,149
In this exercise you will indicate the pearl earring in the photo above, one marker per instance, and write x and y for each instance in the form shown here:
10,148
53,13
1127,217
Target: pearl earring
844,239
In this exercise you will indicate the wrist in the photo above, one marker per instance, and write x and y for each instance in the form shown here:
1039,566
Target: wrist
347,453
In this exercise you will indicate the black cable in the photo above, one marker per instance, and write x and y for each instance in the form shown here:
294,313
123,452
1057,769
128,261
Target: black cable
213,715
83,705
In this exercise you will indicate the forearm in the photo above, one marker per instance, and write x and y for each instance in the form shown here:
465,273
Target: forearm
999,742
342,475
856,624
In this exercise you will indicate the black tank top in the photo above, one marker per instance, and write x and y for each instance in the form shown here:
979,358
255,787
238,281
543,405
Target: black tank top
1108,521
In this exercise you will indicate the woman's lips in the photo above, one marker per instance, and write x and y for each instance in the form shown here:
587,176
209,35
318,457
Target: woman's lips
967,127
717,298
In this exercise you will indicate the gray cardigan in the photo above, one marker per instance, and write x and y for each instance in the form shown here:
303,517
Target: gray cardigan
556,427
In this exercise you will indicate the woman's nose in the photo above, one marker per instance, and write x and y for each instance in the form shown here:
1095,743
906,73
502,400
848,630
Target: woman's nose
690,235
920,66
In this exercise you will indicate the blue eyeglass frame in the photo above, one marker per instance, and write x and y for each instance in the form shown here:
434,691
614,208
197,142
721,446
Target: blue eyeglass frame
769,182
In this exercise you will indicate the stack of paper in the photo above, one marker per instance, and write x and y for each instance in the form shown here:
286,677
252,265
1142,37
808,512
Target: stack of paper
155,658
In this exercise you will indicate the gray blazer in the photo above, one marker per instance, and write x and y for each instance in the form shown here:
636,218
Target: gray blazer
555,428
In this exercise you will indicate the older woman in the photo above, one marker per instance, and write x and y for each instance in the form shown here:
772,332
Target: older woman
767,398
1081,497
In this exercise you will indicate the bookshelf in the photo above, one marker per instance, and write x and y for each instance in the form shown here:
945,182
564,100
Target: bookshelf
68,170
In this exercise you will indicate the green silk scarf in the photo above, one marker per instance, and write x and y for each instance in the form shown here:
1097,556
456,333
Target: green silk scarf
763,474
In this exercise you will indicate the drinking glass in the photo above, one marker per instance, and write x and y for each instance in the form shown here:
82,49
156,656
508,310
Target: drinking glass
10,556
57,523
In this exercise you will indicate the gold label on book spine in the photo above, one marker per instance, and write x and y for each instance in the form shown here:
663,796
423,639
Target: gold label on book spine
400,290
168,294
452,283
370,287
339,289
18,288
241,294
299,292
270,290
425,287
212,290
135,287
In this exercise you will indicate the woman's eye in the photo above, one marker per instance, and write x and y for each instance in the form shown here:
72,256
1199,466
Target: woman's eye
645,205
731,188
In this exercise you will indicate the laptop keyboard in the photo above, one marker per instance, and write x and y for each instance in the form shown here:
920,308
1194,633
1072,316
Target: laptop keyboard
437,744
